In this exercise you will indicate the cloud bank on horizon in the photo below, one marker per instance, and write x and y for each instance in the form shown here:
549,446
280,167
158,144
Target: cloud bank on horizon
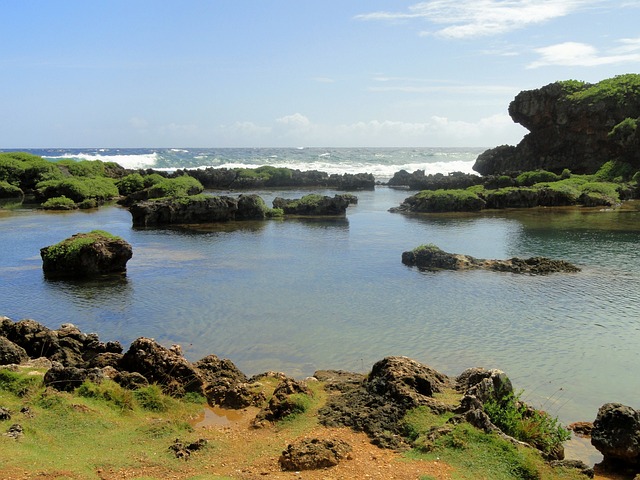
334,73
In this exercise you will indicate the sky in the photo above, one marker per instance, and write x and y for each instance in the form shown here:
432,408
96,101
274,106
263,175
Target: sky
291,73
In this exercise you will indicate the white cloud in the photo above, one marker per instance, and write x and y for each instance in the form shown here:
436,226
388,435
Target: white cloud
473,18
297,129
577,54
138,123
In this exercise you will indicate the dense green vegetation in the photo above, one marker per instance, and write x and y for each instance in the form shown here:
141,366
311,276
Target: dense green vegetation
618,88
176,187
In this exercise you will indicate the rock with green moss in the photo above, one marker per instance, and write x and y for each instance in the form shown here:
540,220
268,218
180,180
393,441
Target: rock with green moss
86,254
431,257
315,205
572,125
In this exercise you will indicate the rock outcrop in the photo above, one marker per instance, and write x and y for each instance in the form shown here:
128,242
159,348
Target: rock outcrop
199,209
86,254
572,125
430,257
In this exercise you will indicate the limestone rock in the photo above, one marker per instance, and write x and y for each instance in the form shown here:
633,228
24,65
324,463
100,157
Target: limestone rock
86,254
616,433
160,365
313,454
11,353
314,205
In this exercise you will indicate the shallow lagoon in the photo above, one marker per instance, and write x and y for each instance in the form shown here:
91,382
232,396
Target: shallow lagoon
301,295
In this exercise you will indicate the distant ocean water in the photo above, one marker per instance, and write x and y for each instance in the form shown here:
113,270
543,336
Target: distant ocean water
381,162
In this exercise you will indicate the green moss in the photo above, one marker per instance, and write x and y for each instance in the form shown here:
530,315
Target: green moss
528,179
176,187
614,171
83,168
8,190
72,246
130,184
447,201
429,247
25,170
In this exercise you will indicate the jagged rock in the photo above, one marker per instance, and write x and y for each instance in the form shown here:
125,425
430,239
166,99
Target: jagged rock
86,254
11,353
160,365
485,385
68,378
581,428
616,433
313,454
314,205
281,404
226,385
569,127
430,257
377,406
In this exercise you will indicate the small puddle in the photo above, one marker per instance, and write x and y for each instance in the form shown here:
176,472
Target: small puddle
217,416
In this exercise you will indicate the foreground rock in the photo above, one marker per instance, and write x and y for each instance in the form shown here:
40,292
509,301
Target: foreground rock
573,125
430,257
198,209
86,254
616,434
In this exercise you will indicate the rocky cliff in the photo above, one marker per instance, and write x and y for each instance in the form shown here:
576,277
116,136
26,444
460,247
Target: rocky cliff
573,125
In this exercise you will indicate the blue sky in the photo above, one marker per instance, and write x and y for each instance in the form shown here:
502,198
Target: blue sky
239,73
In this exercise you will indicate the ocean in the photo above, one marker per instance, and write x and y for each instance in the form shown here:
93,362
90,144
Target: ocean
381,162
297,295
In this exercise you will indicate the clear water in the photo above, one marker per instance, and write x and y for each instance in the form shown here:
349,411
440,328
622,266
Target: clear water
301,295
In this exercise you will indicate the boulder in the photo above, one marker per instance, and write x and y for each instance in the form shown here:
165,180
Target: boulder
431,257
68,378
616,433
314,205
160,365
11,353
226,385
86,254
572,125
313,454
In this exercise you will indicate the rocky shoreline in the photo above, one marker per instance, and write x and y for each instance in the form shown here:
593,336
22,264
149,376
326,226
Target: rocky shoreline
374,404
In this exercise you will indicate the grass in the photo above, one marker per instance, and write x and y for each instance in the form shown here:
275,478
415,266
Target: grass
90,429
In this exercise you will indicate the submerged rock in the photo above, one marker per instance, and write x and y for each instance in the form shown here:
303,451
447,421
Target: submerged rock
431,257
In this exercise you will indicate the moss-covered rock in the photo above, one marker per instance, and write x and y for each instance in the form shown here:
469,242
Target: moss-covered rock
86,254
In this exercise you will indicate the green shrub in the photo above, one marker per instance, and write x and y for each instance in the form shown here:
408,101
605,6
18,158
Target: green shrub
26,170
59,203
8,190
619,89
176,187
535,427
152,179
78,188
151,398
566,173
274,213
614,171
83,168
527,179
131,183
